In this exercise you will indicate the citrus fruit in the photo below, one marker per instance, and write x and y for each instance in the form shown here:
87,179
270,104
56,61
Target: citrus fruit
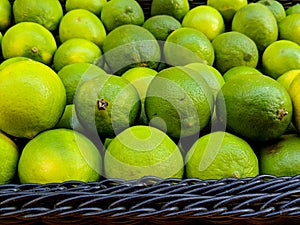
59,155
206,19
227,7
293,9
234,49
280,57
30,40
287,78
129,46
257,22
142,151
12,60
179,101
174,8
5,14
9,154
188,45
289,28
94,6
47,12
240,71
77,50
107,104
211,75
221,155
257,107
281,157
74,74
81,23
119,12
69,120
161,26
295,96
33,98
140,78
276,8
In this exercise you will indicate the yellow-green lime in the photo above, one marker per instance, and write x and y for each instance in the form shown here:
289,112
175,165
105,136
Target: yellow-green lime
295,96
77,50
33,98
280,57
206,19
129,46
94,6
47,12
74,74
221,155
281,157
293,9
179,101
257,108
188,45
240,71
227,7
5,14
9,154
289,28
234,49
143,151
12,60
30,40
257,22
161,26
119,12
287,78
210,74
276,8
59,155
81,23
174,8
140,78
107,104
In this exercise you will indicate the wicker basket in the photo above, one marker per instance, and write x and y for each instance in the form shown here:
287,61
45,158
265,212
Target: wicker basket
261,200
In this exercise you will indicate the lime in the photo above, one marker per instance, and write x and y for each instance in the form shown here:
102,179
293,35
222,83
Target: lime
257,22
257,107
33,98
30,40
234,49
81,23
295,96
188,45
161,26
77,50
276,8
240,71
94,6
293,9
74,74
221,155
281,157
140,78
289,28
107,104
179,101
5,14
47,12
9,154
59,155
129,46
120,12
227,7
12,60
174,8
280,57
287,78
206,19
142,151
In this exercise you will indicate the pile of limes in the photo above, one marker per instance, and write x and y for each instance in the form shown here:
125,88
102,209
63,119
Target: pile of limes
99,89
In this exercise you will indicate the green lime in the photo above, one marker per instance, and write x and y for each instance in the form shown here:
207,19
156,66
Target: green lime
5,14
276,8
94,6
174,8
289,28
240,71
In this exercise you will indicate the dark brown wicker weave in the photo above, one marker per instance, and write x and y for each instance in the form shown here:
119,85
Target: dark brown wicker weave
260,200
